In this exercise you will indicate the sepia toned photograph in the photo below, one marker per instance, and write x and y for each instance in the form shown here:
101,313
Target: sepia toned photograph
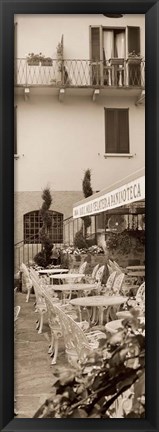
79,216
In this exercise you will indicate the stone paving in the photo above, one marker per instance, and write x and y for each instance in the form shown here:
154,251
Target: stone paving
33,373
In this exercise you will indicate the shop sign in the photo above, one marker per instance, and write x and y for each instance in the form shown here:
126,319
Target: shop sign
126,194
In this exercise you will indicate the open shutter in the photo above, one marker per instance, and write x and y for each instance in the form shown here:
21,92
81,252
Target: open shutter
95,43
134,40
110,130
96,54
123,131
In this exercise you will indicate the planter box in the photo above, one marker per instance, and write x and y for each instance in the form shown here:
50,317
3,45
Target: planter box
134,60
46,62
33,62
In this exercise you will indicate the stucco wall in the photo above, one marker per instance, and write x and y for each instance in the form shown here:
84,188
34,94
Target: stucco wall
57,142
42,33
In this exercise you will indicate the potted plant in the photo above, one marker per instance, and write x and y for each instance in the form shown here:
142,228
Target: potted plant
46,61
134,58
34,59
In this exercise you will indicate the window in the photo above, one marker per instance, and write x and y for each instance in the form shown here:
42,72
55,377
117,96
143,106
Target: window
15,130
116,130
33,223
109,48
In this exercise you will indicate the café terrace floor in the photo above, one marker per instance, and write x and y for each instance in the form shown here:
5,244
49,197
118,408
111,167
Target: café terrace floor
33,373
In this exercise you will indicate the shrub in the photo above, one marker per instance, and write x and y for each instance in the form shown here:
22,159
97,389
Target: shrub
116,371
43,258
79,240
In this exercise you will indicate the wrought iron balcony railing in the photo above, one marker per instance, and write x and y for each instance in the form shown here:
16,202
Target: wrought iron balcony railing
116,73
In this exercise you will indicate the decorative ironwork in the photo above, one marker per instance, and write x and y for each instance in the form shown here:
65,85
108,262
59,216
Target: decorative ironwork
80,73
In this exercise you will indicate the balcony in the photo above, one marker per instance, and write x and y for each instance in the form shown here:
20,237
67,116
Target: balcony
112,74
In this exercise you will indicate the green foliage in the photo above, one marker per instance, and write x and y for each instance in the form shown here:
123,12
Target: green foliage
87,191
79,240
43,258
92,390
125,241
86,184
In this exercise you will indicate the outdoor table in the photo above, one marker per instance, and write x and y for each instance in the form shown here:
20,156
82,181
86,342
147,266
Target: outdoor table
53,271
136,268
139,275
65,288
99,301
67,276
114,326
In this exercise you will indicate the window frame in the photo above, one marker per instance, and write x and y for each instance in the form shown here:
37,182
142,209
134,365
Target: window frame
117,153
30,232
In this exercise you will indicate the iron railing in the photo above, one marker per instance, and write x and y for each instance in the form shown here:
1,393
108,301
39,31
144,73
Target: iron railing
80,73
25,252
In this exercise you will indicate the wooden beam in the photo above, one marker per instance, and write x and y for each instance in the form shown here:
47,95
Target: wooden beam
95,94
61,94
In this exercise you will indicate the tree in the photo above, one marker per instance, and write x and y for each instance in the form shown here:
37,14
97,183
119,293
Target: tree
87,191
43,258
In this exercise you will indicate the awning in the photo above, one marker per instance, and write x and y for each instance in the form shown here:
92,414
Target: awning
126,191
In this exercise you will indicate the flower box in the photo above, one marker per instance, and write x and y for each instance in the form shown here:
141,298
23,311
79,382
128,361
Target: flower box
133,60
46,62
33,62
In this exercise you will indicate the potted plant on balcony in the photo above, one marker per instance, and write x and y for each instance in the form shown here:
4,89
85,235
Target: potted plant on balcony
46,61
34,59
134,58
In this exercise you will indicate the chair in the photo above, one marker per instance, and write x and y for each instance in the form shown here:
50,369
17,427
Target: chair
111,270
91,278
77,343
109,285
116,289
81,270
137,303
42,307
26,280
118,283
40,301
140,299
16,312
99,276
113,266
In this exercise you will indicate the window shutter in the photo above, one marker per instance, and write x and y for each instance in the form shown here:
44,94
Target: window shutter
123,131
110,130
134,39
95,43
116,130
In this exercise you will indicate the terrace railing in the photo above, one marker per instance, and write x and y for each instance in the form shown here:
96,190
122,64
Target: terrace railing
80,73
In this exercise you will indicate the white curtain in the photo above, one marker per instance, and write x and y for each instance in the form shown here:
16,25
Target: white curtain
120,44
109,44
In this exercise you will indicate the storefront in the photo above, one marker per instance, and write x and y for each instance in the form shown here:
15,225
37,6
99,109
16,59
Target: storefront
117,212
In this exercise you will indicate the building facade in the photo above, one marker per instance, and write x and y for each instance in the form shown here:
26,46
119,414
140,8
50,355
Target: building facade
79,104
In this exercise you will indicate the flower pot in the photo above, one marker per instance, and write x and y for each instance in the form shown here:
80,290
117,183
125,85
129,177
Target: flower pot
33,62
46,62
134,60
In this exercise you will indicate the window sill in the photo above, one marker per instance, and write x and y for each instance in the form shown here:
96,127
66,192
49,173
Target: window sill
127,155
16,156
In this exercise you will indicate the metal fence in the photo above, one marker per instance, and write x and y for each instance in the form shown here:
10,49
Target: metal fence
79,73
